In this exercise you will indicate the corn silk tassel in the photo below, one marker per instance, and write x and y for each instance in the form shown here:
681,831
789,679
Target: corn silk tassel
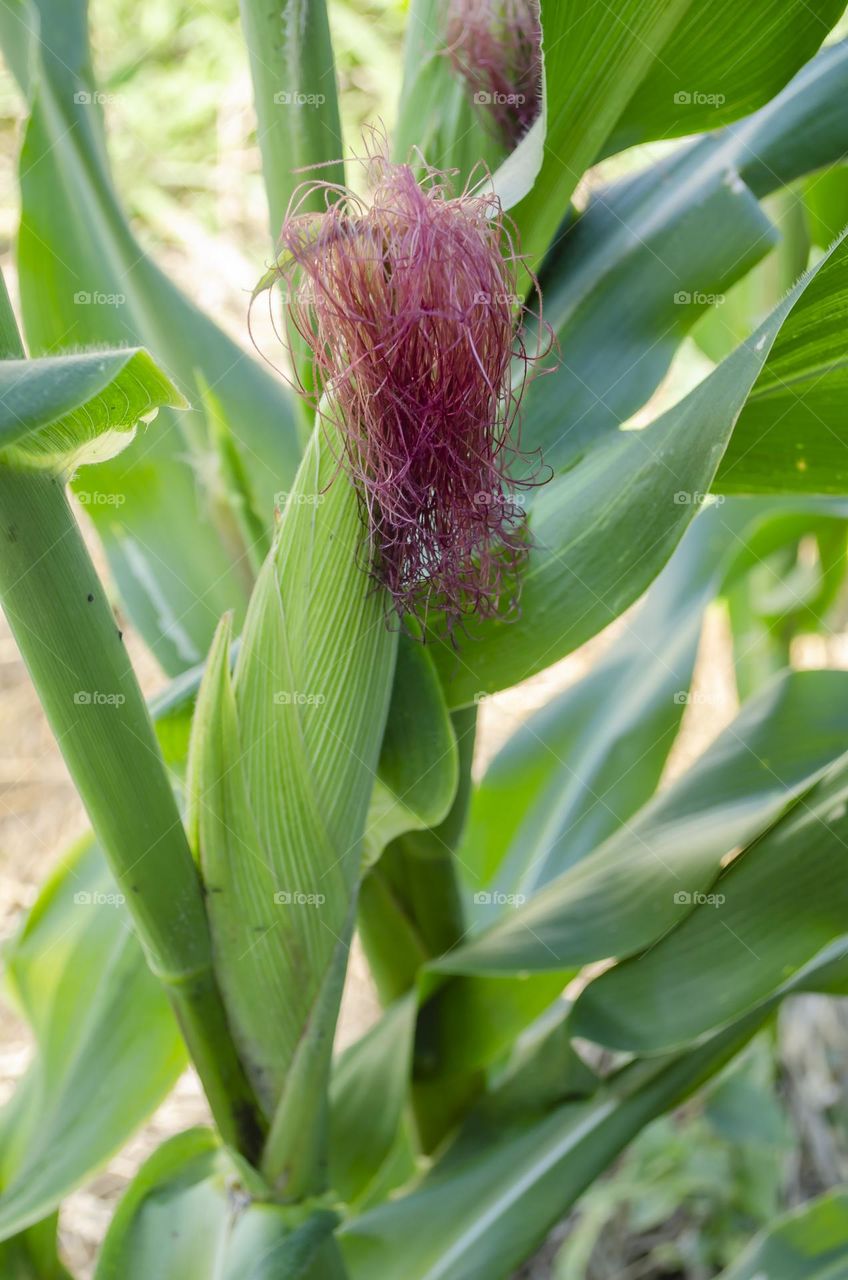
408,305
496,47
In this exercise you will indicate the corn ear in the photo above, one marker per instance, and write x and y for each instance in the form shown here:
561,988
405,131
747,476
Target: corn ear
283,760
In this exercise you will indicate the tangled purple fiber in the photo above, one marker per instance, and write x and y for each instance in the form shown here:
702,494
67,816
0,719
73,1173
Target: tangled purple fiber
496,46
408,304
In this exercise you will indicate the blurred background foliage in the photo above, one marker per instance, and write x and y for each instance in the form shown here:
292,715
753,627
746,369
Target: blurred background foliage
178,103
769,1133
772,1131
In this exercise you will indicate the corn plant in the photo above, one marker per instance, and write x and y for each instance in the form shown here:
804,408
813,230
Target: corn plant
448,492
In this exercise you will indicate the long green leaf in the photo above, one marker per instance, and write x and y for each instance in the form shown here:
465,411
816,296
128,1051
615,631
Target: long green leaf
791,433
628,69
580,767
810,1243
62,412
653,871
107,1044
495,1194
650,254
800,130
592,68
637,493
625,283
775,906
739,311
721,64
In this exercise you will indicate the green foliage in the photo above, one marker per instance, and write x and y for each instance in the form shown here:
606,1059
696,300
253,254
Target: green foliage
61,413
630,889
108,1049
171,548
649,68
809,1244
792,419
58,612
163,1225
710,1176
762,892
324,755
295,97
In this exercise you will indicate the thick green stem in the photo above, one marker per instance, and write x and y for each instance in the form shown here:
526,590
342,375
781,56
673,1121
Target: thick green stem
412,912
411,907
294,91
67,635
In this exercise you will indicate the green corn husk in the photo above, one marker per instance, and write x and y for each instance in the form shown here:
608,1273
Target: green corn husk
66,632
282,764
